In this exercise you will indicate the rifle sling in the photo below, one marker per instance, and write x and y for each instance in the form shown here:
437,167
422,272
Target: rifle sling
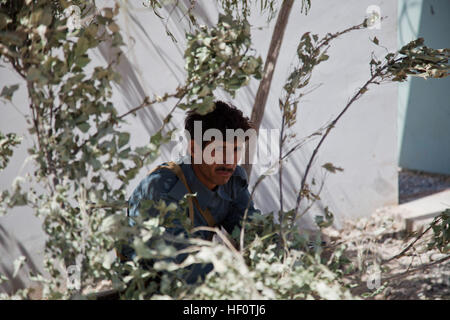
175,168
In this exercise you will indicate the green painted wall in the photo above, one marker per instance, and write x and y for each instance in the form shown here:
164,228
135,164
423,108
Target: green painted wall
424,105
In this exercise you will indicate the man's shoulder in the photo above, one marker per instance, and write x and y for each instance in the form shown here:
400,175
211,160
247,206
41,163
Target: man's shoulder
240,175
159,179
154,186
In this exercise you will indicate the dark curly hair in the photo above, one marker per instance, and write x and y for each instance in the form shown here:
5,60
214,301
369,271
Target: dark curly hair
224,116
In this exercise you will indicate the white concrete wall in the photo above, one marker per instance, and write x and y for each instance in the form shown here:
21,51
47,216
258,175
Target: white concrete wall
364,143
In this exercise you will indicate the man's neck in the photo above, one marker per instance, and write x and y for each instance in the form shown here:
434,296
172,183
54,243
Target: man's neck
202,178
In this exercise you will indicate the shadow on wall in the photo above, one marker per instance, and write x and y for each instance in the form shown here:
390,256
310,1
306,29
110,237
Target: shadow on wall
426,132
10,250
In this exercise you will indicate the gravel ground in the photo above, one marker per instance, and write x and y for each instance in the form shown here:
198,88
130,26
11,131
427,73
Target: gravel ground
416,184
367,243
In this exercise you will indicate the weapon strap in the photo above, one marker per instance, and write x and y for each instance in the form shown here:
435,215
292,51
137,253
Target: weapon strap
175,168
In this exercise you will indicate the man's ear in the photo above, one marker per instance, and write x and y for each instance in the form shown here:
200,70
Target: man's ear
196,152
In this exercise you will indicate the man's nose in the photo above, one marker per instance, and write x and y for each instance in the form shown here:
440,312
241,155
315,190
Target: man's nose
229,159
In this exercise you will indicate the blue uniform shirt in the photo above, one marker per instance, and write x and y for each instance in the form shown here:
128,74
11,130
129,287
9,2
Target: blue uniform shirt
227,203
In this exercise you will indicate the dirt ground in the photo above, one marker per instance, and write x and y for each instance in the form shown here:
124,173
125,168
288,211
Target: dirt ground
368,242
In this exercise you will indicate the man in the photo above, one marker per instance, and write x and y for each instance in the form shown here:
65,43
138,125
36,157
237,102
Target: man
220,184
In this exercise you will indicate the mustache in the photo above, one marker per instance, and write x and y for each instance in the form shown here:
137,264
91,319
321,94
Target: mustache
224,169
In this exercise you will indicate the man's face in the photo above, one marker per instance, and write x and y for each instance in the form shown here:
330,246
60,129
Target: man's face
219,160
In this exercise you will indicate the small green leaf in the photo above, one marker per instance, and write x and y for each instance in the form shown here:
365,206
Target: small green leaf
330,167
8,91
124,137
324,221
35,75
84,126
323,57
82,61
82,46
96,164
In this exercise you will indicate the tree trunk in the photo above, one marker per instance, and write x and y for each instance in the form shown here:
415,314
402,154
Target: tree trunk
269,67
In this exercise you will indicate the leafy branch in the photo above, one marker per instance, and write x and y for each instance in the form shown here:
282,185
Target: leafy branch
413,59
